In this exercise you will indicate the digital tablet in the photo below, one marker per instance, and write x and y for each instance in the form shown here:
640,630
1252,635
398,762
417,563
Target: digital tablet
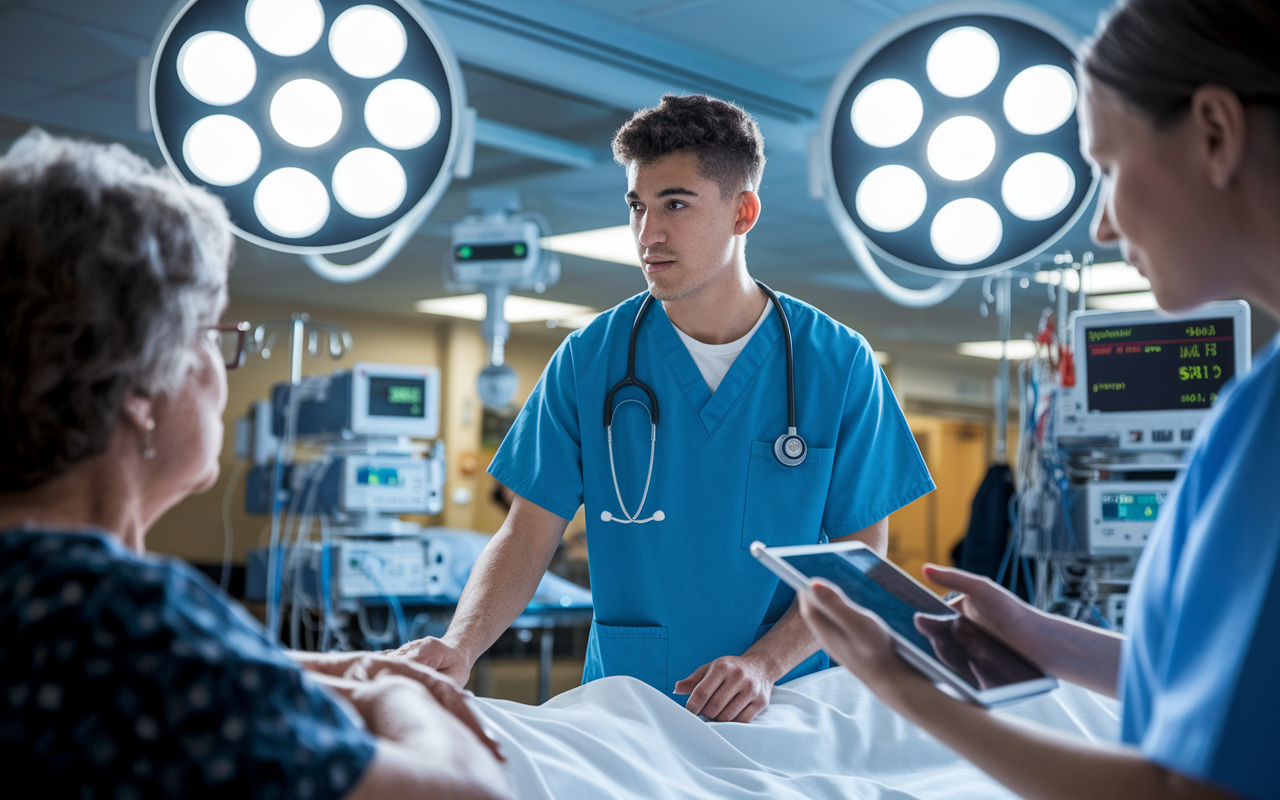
946,646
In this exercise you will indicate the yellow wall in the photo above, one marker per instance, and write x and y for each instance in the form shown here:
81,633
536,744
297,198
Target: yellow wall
194,528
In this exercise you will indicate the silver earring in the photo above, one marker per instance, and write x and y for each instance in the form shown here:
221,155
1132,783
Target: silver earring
148,451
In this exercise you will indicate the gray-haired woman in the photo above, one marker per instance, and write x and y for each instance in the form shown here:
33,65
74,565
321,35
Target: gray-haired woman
124,675
1181,102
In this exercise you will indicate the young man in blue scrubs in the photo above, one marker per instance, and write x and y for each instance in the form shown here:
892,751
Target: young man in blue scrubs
672,509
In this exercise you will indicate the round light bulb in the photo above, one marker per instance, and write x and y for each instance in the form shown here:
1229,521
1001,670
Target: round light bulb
891,198
291,202
217,68
306,113
402,114
961,148
1037,186
367,41
1039,99
222,150
369,183
962,61
285,27
886,112
965,231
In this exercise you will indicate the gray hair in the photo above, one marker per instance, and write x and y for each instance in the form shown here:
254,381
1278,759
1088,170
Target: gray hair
109,269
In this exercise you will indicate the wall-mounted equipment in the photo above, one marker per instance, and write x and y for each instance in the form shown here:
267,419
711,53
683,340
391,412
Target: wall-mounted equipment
323,125
949,145
496,249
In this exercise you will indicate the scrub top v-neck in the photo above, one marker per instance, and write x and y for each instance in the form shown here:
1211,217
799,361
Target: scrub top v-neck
674,594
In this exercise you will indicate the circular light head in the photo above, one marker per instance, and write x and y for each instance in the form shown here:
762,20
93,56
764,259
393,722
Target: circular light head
285,27
339,122
222,150
886,113
965,231
891,198
962,61
1040,99
217,68
1037,186
961,148
291,202
305,112
402,114
369,183
367,41
944,109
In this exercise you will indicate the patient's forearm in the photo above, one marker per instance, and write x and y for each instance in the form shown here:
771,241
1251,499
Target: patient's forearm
1035,762
505,577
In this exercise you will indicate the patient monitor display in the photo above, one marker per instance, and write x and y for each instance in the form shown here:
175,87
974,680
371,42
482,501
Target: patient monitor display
1159,366
936,639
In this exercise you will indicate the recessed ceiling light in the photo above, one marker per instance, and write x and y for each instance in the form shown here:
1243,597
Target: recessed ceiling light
615,244
1108,277
1129,301
516,309
1018,349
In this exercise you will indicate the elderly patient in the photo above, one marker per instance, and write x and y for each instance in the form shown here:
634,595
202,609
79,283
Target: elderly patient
125,675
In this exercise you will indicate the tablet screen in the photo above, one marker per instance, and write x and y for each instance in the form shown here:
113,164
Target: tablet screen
919,617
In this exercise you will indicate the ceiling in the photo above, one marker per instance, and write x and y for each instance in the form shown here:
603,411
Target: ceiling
573,70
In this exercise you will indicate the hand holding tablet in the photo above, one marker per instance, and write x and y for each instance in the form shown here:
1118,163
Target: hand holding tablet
949,648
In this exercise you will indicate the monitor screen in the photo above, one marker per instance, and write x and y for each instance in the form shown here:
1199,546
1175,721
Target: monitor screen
397,397
1142,507
1158,366
377,476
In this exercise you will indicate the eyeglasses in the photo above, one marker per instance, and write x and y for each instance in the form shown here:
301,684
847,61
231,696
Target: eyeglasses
230,337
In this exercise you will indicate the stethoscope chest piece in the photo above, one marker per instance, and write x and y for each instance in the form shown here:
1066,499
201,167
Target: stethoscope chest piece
790,449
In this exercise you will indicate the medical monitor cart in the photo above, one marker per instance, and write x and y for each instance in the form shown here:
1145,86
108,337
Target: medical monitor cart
1116,438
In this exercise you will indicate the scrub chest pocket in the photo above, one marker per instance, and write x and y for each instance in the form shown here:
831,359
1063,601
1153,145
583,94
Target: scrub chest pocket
639,651
785,504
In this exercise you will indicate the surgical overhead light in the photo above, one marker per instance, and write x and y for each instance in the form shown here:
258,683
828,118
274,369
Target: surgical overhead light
949,145
323,125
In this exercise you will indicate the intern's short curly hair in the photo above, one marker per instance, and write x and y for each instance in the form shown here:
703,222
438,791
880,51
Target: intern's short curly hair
109,268
725,138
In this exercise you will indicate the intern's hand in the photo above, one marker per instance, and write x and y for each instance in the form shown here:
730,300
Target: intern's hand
439,655
729,689
856,636
985,602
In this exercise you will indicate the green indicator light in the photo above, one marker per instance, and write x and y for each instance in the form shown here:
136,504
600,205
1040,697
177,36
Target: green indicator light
464,253
519,250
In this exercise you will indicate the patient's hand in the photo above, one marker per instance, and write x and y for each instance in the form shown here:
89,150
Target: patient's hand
439,655
729,689
365,667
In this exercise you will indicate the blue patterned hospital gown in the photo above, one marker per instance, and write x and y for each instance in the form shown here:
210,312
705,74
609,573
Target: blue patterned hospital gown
126,676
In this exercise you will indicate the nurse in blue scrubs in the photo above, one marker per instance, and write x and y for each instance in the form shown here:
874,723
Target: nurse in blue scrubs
1182,115
702,453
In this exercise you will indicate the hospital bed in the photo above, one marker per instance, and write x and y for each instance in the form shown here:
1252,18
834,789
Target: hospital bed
823,736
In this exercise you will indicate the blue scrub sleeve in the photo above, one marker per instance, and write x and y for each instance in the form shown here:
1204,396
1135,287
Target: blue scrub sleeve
541,457
1200,685
878,467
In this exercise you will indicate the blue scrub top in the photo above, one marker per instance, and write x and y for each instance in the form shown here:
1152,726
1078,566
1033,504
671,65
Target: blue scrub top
1198,673
675,594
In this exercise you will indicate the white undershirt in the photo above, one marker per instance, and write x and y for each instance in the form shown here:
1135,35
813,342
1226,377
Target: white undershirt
714,360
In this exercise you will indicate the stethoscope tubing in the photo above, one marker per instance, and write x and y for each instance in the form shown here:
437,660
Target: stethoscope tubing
789,438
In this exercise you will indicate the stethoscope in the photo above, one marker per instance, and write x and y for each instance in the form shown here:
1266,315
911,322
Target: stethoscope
789,448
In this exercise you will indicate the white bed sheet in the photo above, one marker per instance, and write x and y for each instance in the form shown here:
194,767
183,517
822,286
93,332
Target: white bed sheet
823,736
